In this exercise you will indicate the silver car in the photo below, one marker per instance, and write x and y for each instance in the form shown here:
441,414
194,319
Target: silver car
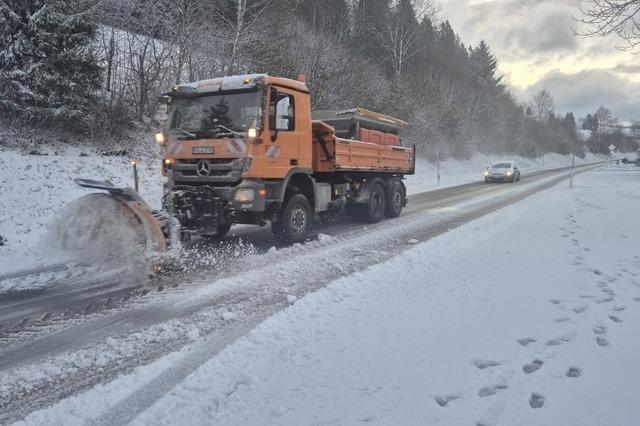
504,171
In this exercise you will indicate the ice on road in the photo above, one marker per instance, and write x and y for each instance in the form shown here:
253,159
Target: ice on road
527,316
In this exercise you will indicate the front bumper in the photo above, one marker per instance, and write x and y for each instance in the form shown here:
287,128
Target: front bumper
498,178
203,208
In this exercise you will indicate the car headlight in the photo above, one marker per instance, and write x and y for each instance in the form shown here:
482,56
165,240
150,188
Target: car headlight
508,173
244,195
486,173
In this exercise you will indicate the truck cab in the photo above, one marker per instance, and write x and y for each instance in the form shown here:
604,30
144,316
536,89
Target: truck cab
239,149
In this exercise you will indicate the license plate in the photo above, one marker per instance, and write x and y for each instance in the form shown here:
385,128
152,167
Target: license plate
202,150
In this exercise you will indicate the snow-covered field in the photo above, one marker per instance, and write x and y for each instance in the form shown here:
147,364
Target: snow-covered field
455,172
527,316
35,187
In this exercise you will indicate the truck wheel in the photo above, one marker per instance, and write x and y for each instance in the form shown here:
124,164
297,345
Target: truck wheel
375,208
395,199
296,224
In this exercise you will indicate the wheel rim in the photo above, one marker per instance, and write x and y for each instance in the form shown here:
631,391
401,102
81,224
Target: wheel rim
298,220
377,202
397,200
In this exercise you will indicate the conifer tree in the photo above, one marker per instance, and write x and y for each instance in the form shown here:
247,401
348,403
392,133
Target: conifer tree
47,73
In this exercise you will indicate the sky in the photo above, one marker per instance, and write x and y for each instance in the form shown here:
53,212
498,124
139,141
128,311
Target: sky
536,48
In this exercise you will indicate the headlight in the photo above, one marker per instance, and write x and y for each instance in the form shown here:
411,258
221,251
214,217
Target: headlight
508,173
486,172
245,195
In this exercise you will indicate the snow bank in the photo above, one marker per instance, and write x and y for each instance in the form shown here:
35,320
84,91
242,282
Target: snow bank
456,172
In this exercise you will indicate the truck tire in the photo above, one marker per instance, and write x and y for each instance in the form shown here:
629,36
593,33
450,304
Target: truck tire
375,208
395,199
297,223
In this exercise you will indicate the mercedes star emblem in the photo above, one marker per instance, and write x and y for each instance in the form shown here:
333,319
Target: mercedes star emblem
203,168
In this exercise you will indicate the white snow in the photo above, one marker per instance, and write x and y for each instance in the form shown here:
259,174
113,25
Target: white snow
229,316
440,325
536,305
291,299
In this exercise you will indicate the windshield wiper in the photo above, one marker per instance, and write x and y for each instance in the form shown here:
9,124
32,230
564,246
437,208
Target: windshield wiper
191,135
229,131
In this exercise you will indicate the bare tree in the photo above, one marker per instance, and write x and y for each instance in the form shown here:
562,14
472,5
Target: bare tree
185,32
399,35
238,28
541,105
619,17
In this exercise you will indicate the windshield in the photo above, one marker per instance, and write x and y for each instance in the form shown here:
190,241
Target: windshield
215,115
501,166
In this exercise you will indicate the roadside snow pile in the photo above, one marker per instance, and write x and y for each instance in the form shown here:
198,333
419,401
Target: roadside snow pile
35,187
455,172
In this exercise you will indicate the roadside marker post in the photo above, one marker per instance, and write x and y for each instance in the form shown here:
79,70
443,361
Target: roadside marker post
438,166
134,164
573,165
612,148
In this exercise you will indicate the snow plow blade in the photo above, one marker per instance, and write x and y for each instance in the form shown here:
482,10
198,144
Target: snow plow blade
157,232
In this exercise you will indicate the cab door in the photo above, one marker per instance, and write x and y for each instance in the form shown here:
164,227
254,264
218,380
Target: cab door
282,151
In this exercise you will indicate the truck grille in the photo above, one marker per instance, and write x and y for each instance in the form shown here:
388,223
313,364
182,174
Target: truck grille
208,170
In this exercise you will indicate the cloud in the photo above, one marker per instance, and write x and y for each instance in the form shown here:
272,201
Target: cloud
536,48
584,91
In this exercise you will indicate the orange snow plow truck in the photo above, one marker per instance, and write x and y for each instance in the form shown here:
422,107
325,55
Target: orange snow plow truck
248,149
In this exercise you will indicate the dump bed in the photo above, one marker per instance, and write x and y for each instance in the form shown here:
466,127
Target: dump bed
334,154
350,123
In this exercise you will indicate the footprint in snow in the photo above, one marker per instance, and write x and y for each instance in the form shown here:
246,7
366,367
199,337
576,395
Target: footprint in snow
561,319
604,299
481,364
490,390
533,366
574,372
615,318
599,330
608,291
619,308
555,301
580,309
536,400
602,341
526,341
637,299
560,340
444,400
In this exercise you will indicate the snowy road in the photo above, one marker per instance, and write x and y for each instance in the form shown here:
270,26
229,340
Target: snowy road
46,362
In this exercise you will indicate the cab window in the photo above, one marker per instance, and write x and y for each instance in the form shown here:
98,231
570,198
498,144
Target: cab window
282,112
